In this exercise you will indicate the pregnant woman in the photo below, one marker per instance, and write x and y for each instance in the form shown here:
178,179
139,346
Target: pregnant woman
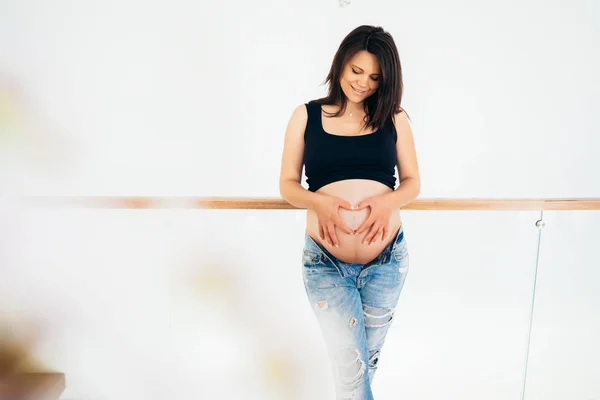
355,256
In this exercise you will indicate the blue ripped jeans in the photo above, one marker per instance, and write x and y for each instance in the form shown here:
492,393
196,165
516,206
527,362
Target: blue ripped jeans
354,304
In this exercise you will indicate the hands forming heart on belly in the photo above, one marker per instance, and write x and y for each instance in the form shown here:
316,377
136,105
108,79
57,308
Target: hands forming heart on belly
354,218
376,222
370,216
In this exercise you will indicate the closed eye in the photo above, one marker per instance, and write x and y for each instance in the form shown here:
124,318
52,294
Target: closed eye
358,72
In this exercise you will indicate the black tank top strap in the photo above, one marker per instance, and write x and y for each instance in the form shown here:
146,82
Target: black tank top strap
390,127
313,123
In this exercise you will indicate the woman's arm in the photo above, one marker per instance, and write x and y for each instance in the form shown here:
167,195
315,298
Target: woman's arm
408,168
326,207
290,175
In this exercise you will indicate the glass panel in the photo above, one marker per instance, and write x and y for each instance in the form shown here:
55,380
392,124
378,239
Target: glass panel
461,331
240,314
213,301
564,351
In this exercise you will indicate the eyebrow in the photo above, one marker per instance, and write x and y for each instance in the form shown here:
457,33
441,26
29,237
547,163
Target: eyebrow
356,66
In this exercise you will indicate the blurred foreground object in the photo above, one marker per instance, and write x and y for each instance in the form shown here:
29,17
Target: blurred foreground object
32,386
21,377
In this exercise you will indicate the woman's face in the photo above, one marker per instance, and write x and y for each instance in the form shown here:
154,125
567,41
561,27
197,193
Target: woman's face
360,77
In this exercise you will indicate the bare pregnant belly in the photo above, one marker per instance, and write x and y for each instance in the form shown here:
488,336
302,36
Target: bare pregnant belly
351,250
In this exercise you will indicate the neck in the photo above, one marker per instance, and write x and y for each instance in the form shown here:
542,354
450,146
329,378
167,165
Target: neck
354,108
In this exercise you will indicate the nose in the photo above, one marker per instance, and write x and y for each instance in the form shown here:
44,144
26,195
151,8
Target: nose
362,83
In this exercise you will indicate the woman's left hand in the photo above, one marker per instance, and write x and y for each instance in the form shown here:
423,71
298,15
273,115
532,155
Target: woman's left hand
378,221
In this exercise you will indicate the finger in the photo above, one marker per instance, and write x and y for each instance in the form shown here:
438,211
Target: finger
366,225
369,236
346,205
384,232
323,230
376,236
327,237
334,240
343,227
362,205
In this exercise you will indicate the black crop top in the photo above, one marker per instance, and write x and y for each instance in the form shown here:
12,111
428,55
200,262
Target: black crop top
329,158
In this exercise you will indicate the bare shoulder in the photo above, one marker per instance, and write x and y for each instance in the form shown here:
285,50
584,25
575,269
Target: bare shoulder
400,117
297,122
300,114
402,123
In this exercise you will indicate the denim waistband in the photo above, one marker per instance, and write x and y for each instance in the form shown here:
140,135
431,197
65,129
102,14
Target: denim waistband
313,246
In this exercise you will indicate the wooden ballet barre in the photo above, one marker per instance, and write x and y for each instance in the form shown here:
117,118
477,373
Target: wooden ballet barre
276,203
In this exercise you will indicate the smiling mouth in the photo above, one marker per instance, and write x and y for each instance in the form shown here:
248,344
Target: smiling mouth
361,92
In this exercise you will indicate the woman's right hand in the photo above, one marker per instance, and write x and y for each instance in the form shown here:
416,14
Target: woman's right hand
327,210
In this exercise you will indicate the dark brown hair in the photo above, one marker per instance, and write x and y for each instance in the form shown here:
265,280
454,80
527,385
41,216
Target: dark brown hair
384,103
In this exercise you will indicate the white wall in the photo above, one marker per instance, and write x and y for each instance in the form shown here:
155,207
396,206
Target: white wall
143,98
147,98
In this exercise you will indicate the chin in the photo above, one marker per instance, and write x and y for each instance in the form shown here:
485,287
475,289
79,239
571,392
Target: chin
353,97
356,98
